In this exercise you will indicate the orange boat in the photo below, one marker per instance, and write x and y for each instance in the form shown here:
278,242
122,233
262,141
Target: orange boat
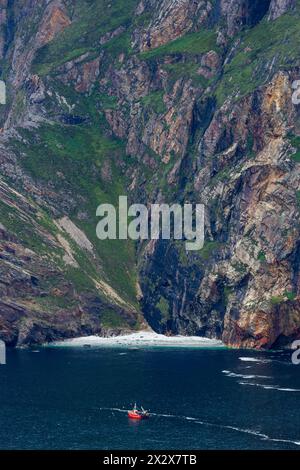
138,414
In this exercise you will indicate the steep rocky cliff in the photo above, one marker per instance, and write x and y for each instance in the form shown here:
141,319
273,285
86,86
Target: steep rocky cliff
162,100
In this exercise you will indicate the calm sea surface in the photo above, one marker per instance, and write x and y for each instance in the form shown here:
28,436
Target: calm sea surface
64,398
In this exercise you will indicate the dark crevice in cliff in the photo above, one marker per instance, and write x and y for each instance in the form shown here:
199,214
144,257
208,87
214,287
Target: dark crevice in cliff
296,266
10,25
284,341
257,10
202,115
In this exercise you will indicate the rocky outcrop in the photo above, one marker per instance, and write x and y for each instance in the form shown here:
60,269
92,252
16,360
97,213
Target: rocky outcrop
172,19
48,20
82,72
54,21
279,7
239,13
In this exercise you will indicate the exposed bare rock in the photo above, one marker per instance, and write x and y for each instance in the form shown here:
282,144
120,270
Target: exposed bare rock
54,21
169,136
118,123
75,233
173,19
210,64
232,123
239,13
82,72
279,7
132,81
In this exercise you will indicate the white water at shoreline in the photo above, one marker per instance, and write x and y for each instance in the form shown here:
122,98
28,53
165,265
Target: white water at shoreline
141,339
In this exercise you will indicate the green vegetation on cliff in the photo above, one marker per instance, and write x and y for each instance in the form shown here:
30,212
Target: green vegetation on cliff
191,44
86,164
90,21
262,50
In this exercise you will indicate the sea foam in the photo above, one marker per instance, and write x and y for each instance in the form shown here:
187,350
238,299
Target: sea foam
140,339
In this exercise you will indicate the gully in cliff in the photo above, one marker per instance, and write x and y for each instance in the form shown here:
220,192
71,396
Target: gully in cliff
187,222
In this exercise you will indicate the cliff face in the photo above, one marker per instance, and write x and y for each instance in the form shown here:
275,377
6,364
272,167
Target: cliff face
168,100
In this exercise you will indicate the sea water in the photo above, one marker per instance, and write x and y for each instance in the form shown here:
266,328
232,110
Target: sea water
199,398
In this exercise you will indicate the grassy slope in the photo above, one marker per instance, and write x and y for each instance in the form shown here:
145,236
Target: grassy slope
91,20
71,157
192,44
272,44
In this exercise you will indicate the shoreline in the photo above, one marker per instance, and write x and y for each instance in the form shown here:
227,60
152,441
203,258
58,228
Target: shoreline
140,339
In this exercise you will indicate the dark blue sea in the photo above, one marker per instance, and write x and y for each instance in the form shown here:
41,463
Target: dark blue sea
75,398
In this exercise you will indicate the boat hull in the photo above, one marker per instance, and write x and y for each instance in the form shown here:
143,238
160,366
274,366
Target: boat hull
136,416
